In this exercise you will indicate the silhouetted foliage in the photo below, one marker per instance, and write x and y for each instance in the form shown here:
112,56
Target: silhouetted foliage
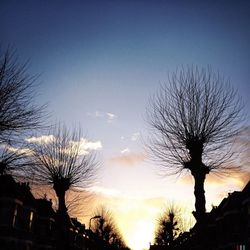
168,227
193,120
18,111
106,229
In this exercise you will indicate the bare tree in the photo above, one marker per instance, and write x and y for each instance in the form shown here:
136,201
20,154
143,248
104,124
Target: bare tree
193,120
76,200
18,111
13,161
168,227
60,162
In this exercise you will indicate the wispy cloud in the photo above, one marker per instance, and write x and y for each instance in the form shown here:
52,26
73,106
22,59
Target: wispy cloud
96,114
128,159
104,191
135,136
111,117
108,116
234,180
237,180
125,151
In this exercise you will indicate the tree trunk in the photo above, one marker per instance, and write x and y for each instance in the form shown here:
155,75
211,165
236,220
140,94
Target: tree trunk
199,171
61,186
62,214
62,221
199,193
61,202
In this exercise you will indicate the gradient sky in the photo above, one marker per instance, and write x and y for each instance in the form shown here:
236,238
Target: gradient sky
100,61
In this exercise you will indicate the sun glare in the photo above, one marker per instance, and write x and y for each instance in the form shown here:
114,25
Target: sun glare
139,237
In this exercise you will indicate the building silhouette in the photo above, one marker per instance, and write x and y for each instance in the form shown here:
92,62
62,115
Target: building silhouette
227,226
27,223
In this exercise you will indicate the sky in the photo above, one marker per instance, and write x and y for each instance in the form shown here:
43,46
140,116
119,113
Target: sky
98,64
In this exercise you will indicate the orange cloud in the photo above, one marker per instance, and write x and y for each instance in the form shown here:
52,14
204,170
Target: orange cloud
217,187
128,159
239,179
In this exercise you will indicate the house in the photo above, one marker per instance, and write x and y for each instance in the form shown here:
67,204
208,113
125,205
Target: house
17,211
227,226
44,225
27,223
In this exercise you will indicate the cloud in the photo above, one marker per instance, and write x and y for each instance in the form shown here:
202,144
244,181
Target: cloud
135,136
84,144
111,117
125,151
104,191
108,116
89,145
128,159
233,181
24,151
96,114
44,139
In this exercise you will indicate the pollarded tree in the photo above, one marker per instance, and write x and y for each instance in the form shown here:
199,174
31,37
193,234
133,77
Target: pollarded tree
193,120
60,160
18,111
77,201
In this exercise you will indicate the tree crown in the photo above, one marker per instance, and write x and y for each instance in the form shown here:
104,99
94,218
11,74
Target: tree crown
194,118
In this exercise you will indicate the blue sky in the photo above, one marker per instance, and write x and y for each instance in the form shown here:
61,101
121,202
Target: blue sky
100,61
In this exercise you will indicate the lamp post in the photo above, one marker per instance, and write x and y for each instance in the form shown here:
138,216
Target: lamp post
93,218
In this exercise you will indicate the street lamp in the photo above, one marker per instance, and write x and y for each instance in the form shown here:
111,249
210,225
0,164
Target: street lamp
93,218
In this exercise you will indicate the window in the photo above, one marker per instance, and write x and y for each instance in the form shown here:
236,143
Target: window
15,216
31,220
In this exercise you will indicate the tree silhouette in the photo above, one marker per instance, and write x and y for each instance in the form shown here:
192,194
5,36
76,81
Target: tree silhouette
168,227
106,229
13,161
18,111
193,120
76,201
60,161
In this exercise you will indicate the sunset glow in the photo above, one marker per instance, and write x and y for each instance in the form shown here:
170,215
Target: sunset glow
100,62
136,215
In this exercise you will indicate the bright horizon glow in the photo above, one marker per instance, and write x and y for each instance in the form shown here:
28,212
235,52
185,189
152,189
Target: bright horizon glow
136,214
139,238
